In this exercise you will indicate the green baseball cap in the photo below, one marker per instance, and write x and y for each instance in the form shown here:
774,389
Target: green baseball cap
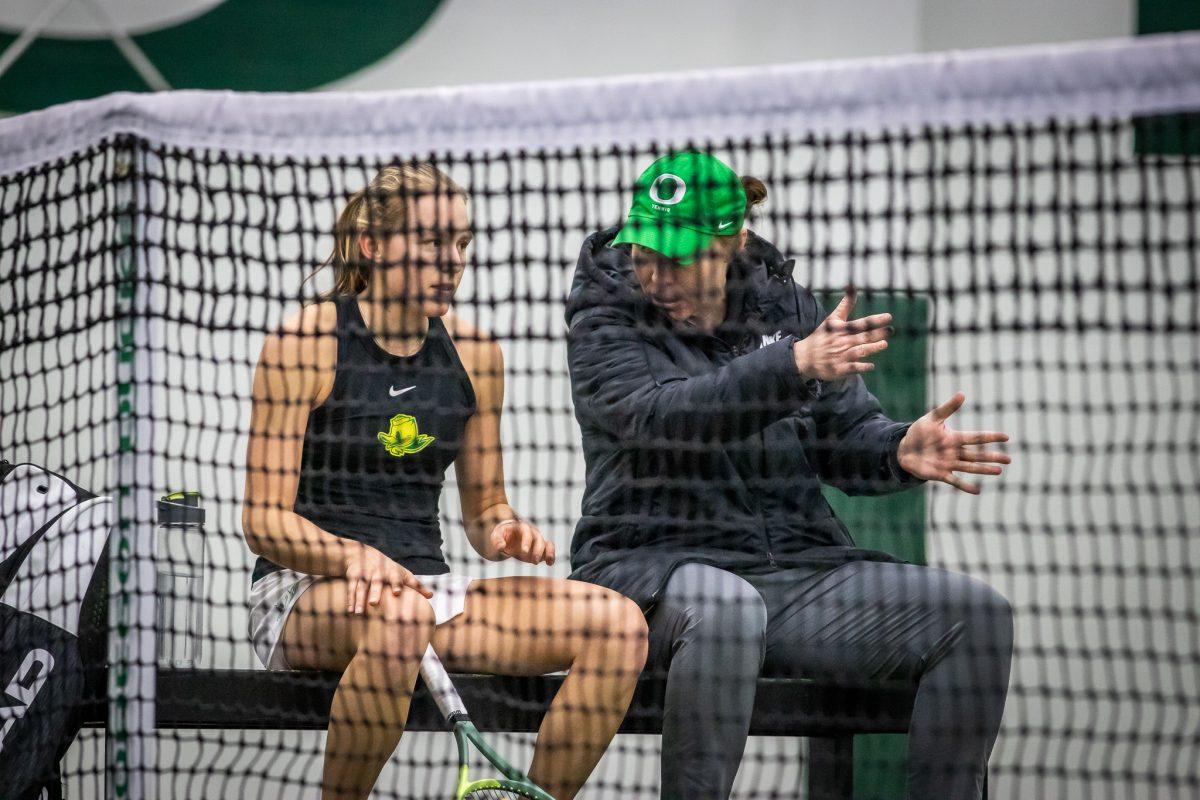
681,202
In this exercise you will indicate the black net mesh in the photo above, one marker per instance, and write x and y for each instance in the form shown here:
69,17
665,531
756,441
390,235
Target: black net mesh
1048,270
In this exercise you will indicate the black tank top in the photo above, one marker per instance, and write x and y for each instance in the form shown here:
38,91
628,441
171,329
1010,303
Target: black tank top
376,451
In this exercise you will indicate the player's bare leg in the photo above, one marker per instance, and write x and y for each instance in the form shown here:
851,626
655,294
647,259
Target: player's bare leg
531,626
379,654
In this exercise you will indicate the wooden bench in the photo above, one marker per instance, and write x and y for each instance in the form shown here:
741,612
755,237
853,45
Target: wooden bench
829,715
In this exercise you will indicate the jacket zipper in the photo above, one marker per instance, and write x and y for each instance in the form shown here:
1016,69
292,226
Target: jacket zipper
762,521
758,506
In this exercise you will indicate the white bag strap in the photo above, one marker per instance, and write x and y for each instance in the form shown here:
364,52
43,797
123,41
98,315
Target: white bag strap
30,498
56,539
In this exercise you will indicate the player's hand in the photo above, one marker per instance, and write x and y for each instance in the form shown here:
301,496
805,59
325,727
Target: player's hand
369,573
934,451
839,345
519,539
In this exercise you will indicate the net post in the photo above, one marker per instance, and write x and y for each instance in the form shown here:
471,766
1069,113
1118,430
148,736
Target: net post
130,736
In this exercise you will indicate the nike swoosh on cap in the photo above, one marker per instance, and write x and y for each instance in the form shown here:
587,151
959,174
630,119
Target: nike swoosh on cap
394,392
724,225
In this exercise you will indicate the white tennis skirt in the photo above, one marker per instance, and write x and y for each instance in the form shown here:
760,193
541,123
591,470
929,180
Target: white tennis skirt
273,596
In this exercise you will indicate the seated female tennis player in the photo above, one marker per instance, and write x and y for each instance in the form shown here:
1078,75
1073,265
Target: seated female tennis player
715,396
360,403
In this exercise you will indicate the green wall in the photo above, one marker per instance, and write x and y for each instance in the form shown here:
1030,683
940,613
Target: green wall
1173,134
259,45
893,523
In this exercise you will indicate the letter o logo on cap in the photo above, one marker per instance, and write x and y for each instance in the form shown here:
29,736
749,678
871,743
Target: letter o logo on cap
676,187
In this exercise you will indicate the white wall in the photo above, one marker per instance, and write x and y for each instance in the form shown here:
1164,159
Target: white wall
482,41
961,24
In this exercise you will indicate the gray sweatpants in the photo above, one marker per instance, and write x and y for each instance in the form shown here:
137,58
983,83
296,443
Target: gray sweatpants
857,623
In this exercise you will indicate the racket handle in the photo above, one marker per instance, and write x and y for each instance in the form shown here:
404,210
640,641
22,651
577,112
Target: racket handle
441,687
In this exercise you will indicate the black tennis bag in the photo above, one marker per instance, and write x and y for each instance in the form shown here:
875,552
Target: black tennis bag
53,565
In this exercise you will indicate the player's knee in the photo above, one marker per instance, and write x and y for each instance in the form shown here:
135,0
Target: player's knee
409,608
619,630
628,626
399,628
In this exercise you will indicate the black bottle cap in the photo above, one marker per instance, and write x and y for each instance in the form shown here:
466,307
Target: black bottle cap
180,508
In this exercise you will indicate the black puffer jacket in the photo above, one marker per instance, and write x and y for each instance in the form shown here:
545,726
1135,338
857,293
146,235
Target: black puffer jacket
712,447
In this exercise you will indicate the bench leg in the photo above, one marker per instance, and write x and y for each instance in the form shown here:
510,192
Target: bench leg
831,768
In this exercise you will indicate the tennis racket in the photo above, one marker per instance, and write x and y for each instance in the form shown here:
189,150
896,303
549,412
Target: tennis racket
514,784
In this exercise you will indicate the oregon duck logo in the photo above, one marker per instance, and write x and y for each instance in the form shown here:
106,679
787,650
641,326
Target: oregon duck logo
668,189
60,50
402,437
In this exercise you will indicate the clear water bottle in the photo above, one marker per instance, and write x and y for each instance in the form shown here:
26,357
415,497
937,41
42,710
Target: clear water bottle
179,559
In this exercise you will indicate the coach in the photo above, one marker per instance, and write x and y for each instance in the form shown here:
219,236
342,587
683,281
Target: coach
714,397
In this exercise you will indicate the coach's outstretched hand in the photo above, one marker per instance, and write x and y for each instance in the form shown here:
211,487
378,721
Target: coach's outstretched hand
519,539
934,451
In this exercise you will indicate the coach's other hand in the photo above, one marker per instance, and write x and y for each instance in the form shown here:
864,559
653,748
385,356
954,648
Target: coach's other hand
519,539
837,347
934,451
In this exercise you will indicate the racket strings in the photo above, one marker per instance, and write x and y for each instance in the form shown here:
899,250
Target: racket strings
495,794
